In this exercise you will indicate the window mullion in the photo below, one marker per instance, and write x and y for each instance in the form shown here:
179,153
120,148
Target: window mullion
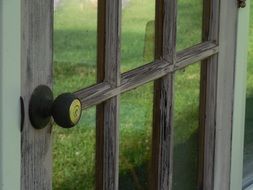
162,147
109,19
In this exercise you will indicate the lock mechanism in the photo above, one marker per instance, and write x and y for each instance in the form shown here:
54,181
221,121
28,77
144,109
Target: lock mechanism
241,3
66,109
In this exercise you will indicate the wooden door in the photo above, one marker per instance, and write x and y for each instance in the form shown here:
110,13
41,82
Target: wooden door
217,53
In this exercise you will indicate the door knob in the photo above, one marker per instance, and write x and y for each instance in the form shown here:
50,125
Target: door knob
66,109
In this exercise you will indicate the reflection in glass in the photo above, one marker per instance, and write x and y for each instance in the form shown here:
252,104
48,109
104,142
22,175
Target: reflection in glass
75,44
248,144
189,23
135,138
186,128
248,141
137,45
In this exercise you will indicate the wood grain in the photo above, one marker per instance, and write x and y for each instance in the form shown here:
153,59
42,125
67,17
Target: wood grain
36,162
107,144
208,90
162,136
132,79
217,89
225,94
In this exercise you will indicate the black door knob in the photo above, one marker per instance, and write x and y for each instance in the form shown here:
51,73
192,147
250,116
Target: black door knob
66,109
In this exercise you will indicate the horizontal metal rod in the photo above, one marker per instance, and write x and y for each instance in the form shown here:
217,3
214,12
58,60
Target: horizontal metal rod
98,93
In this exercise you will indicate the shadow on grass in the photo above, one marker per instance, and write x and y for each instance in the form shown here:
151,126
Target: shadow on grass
186,164
185,158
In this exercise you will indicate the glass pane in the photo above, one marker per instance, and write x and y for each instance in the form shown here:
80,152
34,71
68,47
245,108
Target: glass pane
189,23
75,26
135,138
248,147
74,155
248,142
137,45
186,140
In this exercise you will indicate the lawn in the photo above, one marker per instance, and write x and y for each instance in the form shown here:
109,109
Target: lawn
75,68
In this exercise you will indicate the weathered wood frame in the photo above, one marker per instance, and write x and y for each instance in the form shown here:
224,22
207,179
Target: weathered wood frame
162,141
208,90
225,94
108,69
102,91
36,68
217,93
217,88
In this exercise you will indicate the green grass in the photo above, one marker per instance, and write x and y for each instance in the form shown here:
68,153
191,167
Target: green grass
250,57
75,68
248,154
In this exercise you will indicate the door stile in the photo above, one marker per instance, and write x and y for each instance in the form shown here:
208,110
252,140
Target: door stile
208,90
107,144
217,89
162,142
225,93
36,44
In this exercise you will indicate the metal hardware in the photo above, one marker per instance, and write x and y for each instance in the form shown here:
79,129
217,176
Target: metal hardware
241,3
22,111
66,109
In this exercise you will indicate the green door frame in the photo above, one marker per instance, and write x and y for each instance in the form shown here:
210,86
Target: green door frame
10,86
239,98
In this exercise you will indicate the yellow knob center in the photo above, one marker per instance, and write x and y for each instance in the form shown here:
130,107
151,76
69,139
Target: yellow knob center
75,111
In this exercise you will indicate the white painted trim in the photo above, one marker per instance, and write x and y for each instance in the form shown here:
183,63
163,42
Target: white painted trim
10,89
239,98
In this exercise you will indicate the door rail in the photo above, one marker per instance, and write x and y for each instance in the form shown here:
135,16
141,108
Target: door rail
101,92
